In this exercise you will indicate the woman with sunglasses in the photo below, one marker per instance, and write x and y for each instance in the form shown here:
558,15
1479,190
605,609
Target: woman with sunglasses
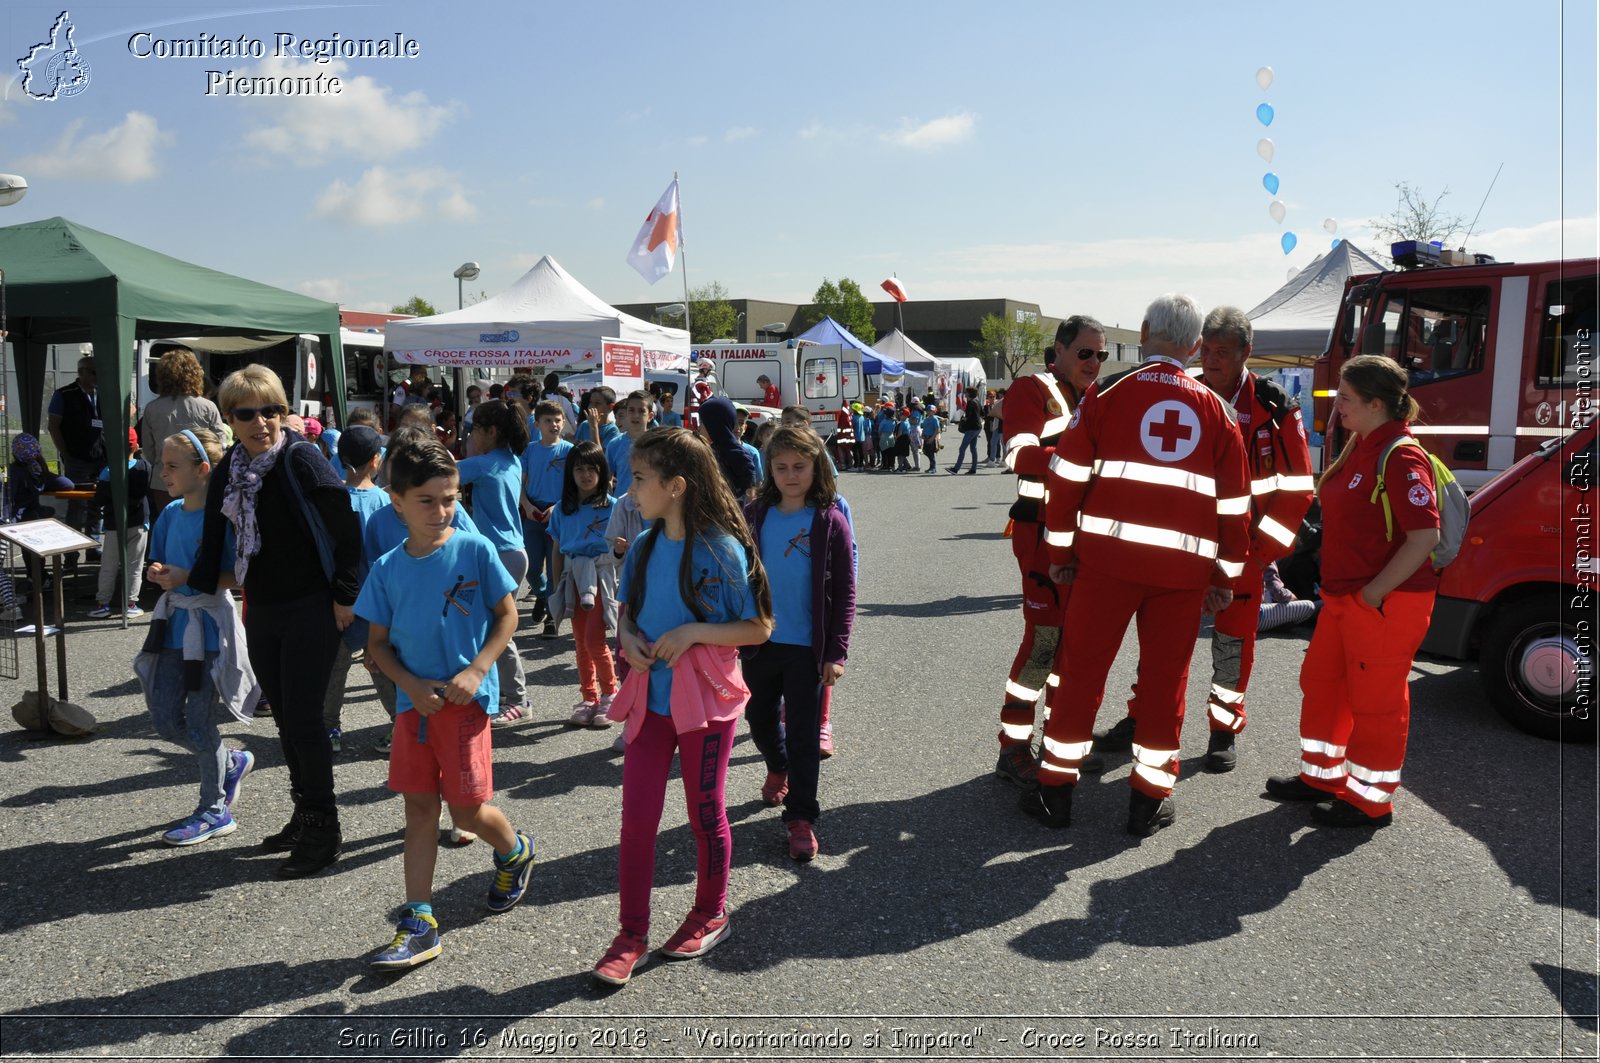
290,513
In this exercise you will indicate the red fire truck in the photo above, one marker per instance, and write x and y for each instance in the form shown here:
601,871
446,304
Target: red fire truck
1521,596
1500,355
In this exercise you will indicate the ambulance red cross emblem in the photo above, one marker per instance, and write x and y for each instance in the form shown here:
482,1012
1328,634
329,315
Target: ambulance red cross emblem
1170,431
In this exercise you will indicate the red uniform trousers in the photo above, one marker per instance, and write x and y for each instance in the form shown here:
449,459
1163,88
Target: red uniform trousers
1355,710
1097,617
1043,605
1234,654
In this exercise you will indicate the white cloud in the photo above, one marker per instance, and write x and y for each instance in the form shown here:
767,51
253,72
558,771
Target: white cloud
522,262
381,197
937,133
365,119
696,141
597,203
742,132
333,289
125,152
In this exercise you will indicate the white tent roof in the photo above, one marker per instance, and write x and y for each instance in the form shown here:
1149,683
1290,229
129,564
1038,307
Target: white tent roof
902,348
546,320
1292,324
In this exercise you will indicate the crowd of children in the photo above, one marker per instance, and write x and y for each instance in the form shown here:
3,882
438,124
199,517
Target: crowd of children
887,438
654,546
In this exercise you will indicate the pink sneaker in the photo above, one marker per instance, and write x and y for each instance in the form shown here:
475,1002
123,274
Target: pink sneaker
698,935
775,789
601,718
583,713
617,965
825,742
802,840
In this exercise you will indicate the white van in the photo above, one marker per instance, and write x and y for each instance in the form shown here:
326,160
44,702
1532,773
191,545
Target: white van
819,377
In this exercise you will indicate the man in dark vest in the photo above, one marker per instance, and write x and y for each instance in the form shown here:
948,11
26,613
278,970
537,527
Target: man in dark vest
76,427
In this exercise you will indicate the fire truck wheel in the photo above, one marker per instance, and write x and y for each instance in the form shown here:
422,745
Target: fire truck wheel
1535,662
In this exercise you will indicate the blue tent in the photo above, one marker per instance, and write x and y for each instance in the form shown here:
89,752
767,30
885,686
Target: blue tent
828,331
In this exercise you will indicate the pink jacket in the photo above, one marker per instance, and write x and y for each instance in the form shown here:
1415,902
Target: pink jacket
707,687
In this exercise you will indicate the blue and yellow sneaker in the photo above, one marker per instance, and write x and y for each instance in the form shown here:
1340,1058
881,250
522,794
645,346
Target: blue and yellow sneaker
200,827
240,762
416,940
511,880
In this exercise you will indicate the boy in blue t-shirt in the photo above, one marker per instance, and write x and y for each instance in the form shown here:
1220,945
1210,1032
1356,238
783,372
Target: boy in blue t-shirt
598,405
633,416
544,462
441,610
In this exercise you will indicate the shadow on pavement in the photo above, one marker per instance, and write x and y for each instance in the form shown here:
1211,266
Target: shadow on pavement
961,605
1138,909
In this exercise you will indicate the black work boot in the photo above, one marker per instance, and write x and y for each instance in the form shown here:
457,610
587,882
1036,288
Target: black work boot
1147,814
1117,740
1050,805
1017,767
1221,756
285,839
1294,788
316,848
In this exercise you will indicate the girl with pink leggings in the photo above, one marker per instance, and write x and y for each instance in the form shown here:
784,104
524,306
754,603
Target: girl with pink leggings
692,591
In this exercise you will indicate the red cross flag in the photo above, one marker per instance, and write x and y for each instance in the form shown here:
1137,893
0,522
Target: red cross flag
655,249
896,289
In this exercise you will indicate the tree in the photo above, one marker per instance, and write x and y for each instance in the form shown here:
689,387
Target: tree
845,303
416,306
711,316
1415,217
1018,343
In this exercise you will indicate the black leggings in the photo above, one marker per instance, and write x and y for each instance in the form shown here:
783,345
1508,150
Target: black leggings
292,646
777,670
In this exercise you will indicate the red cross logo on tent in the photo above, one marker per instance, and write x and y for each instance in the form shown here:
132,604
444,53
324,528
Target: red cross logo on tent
1170,431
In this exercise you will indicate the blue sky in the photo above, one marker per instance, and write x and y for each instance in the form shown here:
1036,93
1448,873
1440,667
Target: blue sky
1086,157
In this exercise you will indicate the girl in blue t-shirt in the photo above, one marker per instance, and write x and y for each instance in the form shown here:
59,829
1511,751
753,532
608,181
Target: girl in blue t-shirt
584,570
499,436
807,549
186,716
692,589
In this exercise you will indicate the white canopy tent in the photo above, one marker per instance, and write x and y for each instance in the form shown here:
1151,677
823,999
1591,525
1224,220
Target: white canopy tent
1292,324
944,375
546,320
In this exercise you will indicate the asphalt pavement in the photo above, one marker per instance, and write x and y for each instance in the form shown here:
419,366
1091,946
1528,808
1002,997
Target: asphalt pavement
938,921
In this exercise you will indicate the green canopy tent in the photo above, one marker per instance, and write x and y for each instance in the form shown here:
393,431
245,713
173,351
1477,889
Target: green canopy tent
68,283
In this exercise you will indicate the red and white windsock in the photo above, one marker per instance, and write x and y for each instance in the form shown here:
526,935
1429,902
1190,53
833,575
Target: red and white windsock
655,249
896,289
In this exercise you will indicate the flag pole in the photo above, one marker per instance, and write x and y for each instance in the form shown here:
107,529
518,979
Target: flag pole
691,408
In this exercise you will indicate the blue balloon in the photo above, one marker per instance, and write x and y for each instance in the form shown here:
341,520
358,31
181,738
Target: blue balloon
1336,243
1288,242
1264,114
1270,183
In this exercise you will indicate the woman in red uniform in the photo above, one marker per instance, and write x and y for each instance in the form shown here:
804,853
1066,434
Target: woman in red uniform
1378,586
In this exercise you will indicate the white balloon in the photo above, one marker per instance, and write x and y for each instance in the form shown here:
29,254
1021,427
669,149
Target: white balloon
1264,148
1277,210
1264,77
1330,225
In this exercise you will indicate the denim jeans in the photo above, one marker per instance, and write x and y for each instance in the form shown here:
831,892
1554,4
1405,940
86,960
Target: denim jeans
969,440
541,556
513,680
189,718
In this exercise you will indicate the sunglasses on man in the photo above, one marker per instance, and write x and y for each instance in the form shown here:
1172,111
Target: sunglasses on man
250,413
1086,353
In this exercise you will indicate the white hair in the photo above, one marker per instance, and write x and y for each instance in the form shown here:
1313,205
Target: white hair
1176,319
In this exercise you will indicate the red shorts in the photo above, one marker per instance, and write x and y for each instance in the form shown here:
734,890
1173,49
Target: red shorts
1043,601
456,762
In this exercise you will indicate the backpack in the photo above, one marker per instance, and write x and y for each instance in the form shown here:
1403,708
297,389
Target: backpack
1449,494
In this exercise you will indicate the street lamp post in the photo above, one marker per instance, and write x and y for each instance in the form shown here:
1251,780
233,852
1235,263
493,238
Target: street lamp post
467,271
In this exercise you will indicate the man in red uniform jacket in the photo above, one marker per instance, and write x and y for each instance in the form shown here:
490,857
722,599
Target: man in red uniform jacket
1281,488
1147,516
1037,409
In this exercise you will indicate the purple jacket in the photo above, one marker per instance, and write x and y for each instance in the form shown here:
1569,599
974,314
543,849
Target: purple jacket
833,580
